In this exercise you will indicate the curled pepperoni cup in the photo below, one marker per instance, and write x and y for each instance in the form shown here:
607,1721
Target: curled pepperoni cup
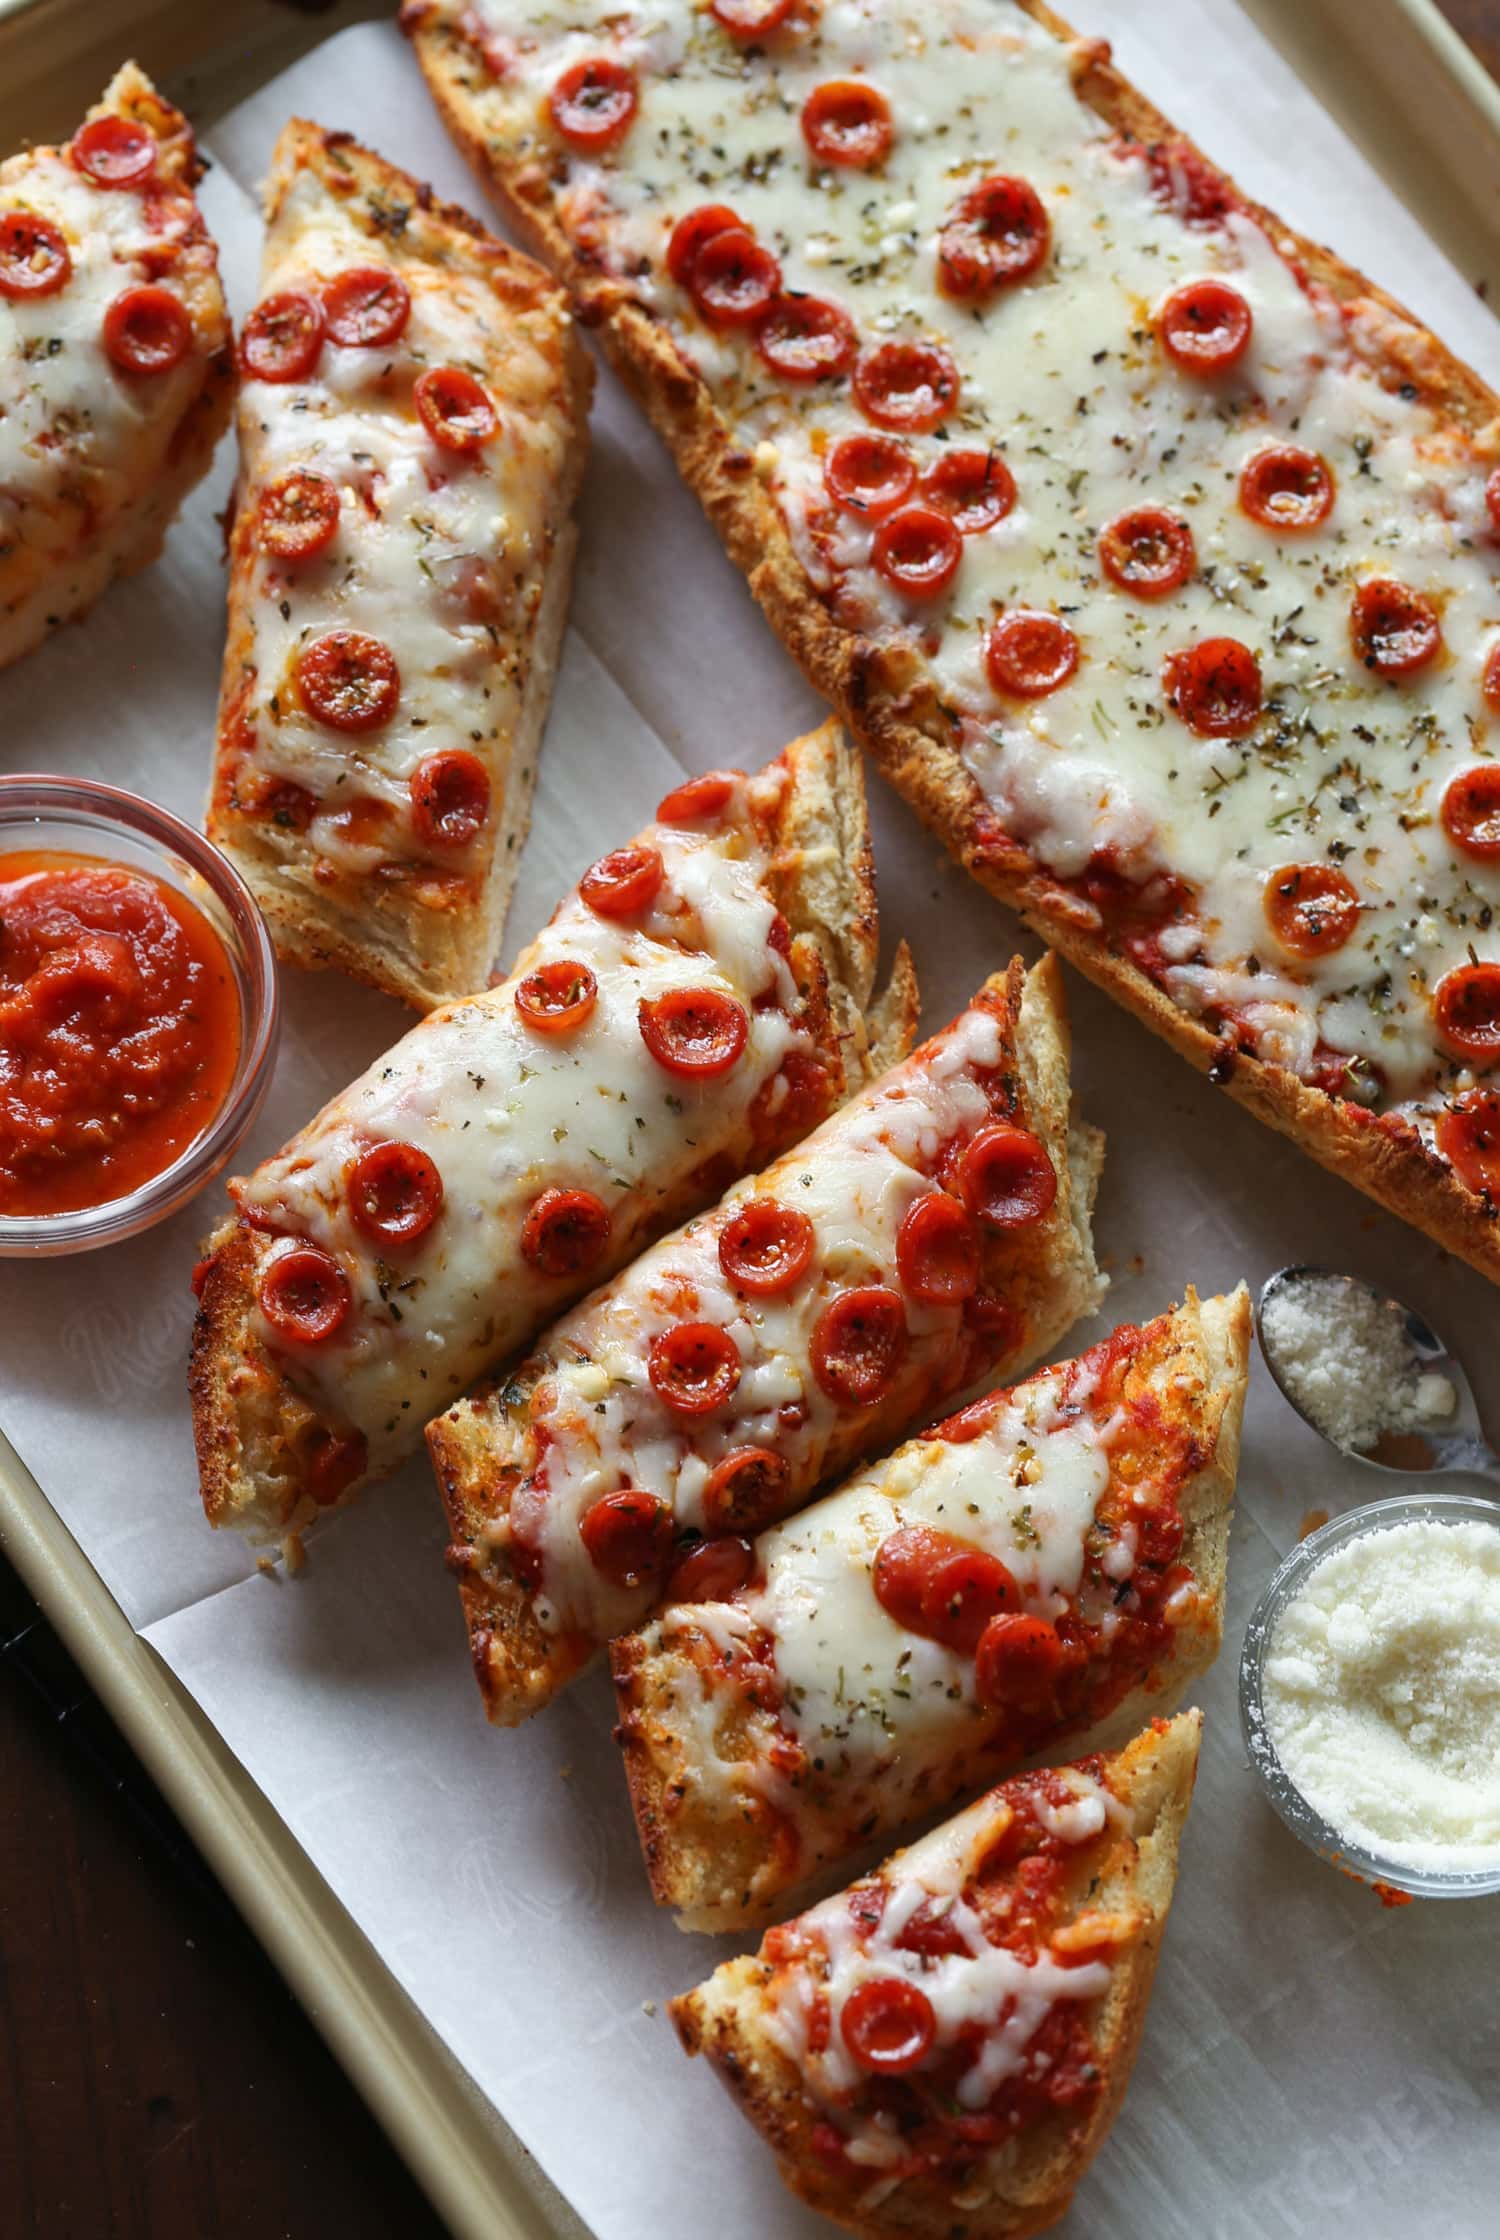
1029,653
906,386
690,233
974,488
734,280
964,1592
395,1193
1205,326
696,1031
1006,1178
349,681
766,1248
450,798
298,515
304,1294
711,1572
557,997
1284,487
366,306
114,152
847,122
750,19
1395,630
904,1563
1466,1012
593,103
1214,688
700,798
746,1491
332,1463
1471,811
628,1536
790,1105
34,259
623,883
869,475
147,331
805,338
917,551
1148,552
999,234
1468,1136
565,1232
1312,908
1018,1663
454,408
859,1344
888,2025
937,1251
282,337
694,1367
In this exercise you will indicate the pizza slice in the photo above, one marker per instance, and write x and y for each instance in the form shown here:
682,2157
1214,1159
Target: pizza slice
699,1001
412,420
1149,547
1043,1569
932,1231
943,2047
116,371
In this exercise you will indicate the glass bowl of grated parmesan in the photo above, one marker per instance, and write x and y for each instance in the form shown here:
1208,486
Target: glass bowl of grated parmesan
1370,1694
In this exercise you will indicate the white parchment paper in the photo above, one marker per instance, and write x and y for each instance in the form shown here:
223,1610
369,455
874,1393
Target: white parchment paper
1309,2056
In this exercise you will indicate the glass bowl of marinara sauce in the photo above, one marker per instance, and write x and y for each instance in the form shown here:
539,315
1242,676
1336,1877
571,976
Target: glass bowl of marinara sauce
138,1014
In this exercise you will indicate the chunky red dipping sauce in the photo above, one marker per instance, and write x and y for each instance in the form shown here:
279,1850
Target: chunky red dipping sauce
119,1030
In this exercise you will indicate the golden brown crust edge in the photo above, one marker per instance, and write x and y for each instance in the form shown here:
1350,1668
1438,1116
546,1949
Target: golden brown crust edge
904,729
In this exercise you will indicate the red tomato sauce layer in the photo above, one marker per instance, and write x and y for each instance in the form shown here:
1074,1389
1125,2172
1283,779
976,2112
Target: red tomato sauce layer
119,1030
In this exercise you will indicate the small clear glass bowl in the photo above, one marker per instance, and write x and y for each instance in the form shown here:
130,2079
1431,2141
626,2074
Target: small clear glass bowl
1286,1800
76,817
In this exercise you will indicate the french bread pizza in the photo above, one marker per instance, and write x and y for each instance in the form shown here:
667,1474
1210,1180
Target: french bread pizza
412,424
933,1230
1045,1569
118,368
1149,548
702,998
942,2048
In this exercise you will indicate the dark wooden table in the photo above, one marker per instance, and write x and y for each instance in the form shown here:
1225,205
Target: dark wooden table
157,2082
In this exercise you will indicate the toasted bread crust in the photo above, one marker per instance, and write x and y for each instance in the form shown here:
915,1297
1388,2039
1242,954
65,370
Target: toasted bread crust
897,717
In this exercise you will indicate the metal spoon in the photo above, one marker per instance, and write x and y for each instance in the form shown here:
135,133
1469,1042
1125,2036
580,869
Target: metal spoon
1459,1444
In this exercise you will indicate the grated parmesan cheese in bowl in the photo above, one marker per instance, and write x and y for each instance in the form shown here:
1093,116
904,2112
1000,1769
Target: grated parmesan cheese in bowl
1345,1359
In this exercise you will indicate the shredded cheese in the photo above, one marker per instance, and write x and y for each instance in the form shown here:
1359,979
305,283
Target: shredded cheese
1343,1355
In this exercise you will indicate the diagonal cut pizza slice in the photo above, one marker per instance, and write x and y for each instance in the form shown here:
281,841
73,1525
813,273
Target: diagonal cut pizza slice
1044,1569
942,2048
115,347
701,999
935,1230
413,426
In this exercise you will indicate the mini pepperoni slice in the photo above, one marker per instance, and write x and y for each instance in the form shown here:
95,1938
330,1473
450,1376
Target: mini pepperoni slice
114,152
906,386
1205,326
298,515
699,799
1466,1011
304,1294
594,103
1395,629
450,798
750,19
695,1031
1030,653
806,338
1214,688
1468,1136
1312,908
962,1593
888,2025
1005,1176
694,1367
712,1572
349,681
848,122
859,1345
937,1251
904,1563
1471,811
1017,1663
454,408
34,259
734,280
766,1247
869,475
746,1491
282,337
690,233
628,1536
395,1193
974,488
557,996
366,306
1148,552
624,882
917,551
1492,499
1284,487
565,1231
999,234
147,331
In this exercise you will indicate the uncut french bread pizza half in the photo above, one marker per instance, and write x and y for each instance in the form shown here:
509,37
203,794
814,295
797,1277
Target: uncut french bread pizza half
700,1000
1150,549
933,1230
942,2048
1044,1569
116,370
413,425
